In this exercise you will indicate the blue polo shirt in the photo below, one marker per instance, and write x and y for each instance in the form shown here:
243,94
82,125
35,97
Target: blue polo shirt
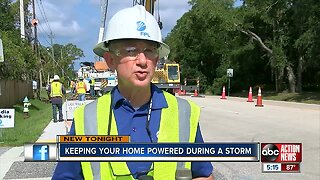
132,121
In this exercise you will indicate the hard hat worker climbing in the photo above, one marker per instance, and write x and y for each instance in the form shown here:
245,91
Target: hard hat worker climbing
133,47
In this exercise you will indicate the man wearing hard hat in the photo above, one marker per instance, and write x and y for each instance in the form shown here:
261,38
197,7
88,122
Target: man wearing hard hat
56,91
81,89
136,107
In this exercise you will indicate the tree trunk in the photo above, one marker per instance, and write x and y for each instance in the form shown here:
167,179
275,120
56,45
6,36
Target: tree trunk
299,74
276,80
280,79
291,79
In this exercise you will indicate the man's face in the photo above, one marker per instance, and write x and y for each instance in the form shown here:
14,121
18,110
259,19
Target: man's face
134,61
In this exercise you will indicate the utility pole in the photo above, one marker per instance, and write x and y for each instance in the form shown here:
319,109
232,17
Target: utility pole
35,46
22,31
34,23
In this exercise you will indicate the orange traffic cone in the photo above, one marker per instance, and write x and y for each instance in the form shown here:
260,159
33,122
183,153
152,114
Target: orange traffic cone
223,93
195,93
259,100
182,92
250,95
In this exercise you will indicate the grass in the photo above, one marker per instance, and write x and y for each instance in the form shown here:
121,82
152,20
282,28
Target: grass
305,97
27,130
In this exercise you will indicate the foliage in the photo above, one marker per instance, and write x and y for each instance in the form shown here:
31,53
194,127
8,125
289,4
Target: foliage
21,60
62,61
270,42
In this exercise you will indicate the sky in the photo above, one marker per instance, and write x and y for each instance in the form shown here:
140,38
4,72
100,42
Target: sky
78,21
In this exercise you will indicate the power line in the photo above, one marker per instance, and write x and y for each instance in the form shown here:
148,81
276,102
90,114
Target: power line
44,36
51,55
43,14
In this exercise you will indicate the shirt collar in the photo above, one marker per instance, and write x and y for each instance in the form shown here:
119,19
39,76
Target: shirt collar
158,99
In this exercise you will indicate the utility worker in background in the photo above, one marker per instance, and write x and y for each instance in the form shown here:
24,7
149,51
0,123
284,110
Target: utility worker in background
81,89
47,88
72,86
56,91
92,82
138,108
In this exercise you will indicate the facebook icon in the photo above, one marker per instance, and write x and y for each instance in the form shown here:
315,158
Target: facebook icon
40,152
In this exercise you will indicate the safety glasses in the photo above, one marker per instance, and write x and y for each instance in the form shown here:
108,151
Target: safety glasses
151,53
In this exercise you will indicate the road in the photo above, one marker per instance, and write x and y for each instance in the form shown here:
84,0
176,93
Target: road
231,120
235,120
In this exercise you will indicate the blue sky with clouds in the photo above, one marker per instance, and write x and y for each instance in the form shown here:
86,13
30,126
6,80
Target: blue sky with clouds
78,21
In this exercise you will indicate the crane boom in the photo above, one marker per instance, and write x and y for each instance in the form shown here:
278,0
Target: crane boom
104,5
148,4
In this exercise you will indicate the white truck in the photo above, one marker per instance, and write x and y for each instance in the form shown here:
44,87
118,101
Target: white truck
105,79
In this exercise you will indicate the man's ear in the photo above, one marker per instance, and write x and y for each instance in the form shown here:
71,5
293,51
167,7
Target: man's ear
109,60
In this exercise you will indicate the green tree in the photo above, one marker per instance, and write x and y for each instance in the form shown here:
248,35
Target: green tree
61,64
201,40
276,37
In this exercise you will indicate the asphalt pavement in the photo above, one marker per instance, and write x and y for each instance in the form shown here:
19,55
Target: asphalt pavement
235,120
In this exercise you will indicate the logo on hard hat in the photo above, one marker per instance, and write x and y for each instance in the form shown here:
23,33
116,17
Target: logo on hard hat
141,26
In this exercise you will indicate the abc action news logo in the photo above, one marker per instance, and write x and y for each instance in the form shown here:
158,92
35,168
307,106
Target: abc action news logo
281,152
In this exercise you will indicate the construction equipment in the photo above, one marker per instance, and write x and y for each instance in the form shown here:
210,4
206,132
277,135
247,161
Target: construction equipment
101,73
167,77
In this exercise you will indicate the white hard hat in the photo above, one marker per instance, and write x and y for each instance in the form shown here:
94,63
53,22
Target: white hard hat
56,77
132,23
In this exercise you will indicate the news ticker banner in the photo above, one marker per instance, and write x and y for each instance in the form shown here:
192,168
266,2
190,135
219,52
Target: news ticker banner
281,157
158,152
118,148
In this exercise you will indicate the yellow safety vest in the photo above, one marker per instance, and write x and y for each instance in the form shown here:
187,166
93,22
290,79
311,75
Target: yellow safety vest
81,87
72,84
56,90
178,123
92,82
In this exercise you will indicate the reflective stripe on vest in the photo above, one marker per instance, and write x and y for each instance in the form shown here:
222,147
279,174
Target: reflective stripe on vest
183,127
56,89
81,87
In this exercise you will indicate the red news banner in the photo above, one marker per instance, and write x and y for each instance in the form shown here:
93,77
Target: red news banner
281,157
